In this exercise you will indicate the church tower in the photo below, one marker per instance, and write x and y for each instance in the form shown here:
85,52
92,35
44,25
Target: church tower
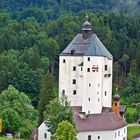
85,72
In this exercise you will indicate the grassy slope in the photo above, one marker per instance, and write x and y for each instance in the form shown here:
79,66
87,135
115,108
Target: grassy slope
131,110
132,130
1,138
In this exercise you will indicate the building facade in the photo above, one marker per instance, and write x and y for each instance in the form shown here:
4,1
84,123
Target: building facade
85,78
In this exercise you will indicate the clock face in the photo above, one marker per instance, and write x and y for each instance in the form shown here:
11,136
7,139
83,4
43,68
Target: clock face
95,68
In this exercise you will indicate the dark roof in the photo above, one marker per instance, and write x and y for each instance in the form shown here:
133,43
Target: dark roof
105,121
88,47
99,122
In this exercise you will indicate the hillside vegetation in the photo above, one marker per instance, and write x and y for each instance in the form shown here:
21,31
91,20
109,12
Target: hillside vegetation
33,34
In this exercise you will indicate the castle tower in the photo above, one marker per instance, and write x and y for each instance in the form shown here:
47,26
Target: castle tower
85,72
116,104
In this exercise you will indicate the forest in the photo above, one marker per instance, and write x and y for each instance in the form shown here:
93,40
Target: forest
33,33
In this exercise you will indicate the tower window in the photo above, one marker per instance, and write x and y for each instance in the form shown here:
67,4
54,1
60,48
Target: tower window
105,93
98,137
88,58
89,137
74,68
105,67
63,92
74,92
64,61
74,81
45,135
88,69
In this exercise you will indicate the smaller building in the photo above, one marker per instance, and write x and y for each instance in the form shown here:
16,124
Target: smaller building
41,133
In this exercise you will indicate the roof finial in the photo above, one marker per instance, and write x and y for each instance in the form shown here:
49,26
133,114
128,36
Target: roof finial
86,16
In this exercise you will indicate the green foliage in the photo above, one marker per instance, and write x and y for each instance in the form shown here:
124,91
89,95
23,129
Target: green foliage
133,130
17,111
65,131
47,94
56,112
131,92
11,120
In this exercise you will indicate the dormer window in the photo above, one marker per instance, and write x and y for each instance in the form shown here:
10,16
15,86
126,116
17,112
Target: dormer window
72,52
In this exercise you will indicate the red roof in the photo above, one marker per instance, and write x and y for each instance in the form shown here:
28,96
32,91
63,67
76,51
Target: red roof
98,122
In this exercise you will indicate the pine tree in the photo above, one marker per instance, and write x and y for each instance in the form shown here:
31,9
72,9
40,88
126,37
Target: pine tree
46,95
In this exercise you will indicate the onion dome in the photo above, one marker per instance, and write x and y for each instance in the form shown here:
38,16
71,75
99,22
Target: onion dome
116,97
86,26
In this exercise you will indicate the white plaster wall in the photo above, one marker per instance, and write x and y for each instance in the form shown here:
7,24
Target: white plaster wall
66,76
92,98
42,129
107,83
94,91
104,135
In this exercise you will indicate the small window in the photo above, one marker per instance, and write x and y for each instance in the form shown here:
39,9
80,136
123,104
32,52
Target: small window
98,99
89,137
105,67
88,69
118,133
89,84
72,52
98,85
88,58
115,104
81,68
45,135
105,93
97,92
124,130
74,81
88,99
115,135
74,92
64,61
63,92
98,137
88,112
74,68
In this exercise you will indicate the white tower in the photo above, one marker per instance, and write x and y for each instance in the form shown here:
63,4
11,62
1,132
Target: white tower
85,72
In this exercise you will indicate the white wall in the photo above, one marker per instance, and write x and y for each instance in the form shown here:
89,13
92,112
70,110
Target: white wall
90,86
42,131
66,76
104,135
